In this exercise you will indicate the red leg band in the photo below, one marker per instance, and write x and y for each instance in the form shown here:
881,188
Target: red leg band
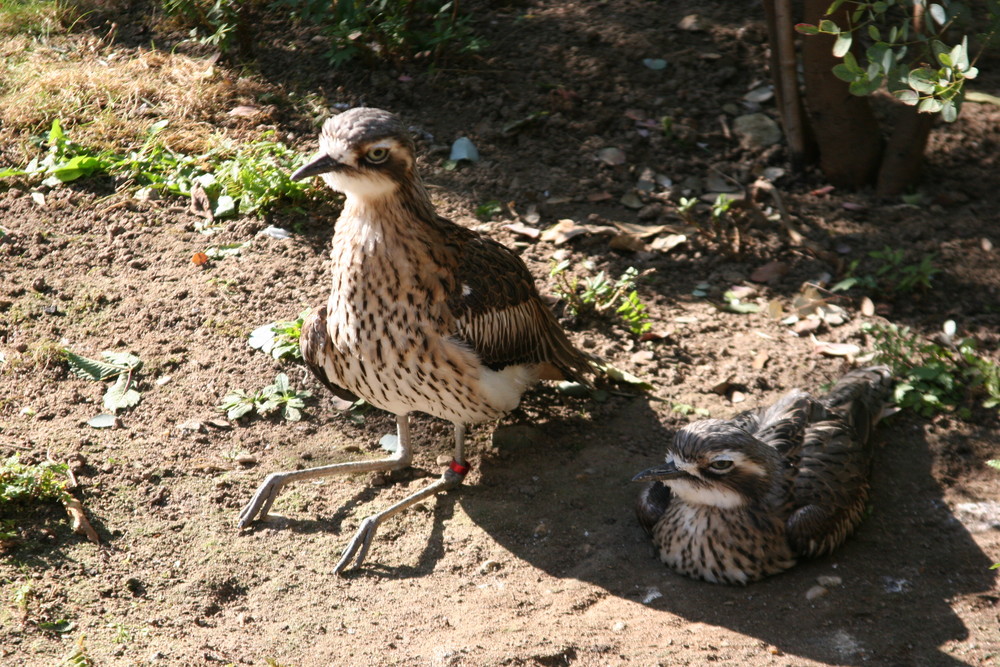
460,469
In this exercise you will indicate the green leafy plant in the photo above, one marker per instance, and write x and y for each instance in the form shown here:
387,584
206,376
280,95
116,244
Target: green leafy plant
893,274
487,210
935,377
245,178
23,483
279,396
279,339
600,294
388,29
124,367
727,216
214,22
910,48
43,482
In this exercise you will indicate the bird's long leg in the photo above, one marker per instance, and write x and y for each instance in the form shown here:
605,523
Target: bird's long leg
273,483
357,548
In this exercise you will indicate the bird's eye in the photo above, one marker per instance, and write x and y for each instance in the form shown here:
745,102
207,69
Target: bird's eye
377,155
721,465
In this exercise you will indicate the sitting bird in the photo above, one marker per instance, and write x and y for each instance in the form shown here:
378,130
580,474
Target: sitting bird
740,499
424,315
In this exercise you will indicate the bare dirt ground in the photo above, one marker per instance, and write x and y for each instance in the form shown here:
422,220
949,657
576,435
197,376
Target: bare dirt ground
537,559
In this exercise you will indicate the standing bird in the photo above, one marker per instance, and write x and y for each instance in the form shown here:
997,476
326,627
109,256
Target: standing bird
740,499
424,315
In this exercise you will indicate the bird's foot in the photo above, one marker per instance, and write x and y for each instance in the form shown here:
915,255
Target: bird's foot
261,501
357,548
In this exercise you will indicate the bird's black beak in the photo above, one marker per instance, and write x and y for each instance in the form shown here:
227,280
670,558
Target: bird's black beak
665,471
320,164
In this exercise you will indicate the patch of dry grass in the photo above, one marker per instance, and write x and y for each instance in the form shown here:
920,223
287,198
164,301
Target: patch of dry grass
108,97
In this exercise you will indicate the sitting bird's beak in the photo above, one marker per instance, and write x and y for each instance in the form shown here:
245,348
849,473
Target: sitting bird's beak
665,471
321,163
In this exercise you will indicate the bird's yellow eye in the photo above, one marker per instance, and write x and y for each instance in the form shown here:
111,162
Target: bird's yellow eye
377,155
721,465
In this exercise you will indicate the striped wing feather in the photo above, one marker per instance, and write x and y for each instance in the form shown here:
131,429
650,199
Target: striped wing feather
499,313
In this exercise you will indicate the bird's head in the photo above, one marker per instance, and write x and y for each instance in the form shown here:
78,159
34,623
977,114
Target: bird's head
712,462
365,153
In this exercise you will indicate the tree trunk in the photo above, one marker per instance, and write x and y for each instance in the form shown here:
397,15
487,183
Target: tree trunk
904,154
850,142
784,75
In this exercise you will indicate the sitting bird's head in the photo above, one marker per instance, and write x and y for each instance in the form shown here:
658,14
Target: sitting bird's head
365,153
713,462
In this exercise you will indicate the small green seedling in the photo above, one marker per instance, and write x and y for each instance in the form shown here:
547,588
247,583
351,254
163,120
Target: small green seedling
279,396
487,210
279,339
893,275
123,366
599,294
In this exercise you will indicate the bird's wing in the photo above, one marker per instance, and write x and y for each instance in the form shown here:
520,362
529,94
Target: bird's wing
832,483
783,424
315,346
652,503
831,487
500,315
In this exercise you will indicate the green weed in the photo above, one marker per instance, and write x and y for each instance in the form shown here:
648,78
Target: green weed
244,178
43,482
214,22
487,210
388,29
599,294
279,339
936,377
274,397
893,274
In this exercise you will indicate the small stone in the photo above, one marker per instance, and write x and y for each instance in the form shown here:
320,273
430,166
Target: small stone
443,460
541,530
756,131
828,581
816,592
246,459
195,426
379,480
490,566
619,626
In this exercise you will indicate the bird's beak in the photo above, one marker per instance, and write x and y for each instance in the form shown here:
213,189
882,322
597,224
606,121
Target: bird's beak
665,471
321,163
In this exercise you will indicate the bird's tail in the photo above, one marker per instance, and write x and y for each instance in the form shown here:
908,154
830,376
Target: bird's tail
860,396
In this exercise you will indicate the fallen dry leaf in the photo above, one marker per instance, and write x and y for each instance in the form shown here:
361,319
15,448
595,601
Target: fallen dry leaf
835,349
626,243
667,243
523,230
200,203
562,231
199,259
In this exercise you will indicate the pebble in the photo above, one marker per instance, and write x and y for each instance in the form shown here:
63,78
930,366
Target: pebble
816,592
246,459
490,566
619,626
829,581
443,460
542,530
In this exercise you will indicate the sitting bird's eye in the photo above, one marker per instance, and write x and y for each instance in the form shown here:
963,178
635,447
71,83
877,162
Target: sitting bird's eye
377,155
721,465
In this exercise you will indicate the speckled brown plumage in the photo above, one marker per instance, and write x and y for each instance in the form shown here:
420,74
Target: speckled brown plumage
424,315
741,499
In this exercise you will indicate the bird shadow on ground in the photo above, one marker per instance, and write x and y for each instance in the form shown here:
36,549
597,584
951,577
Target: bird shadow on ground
898,573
